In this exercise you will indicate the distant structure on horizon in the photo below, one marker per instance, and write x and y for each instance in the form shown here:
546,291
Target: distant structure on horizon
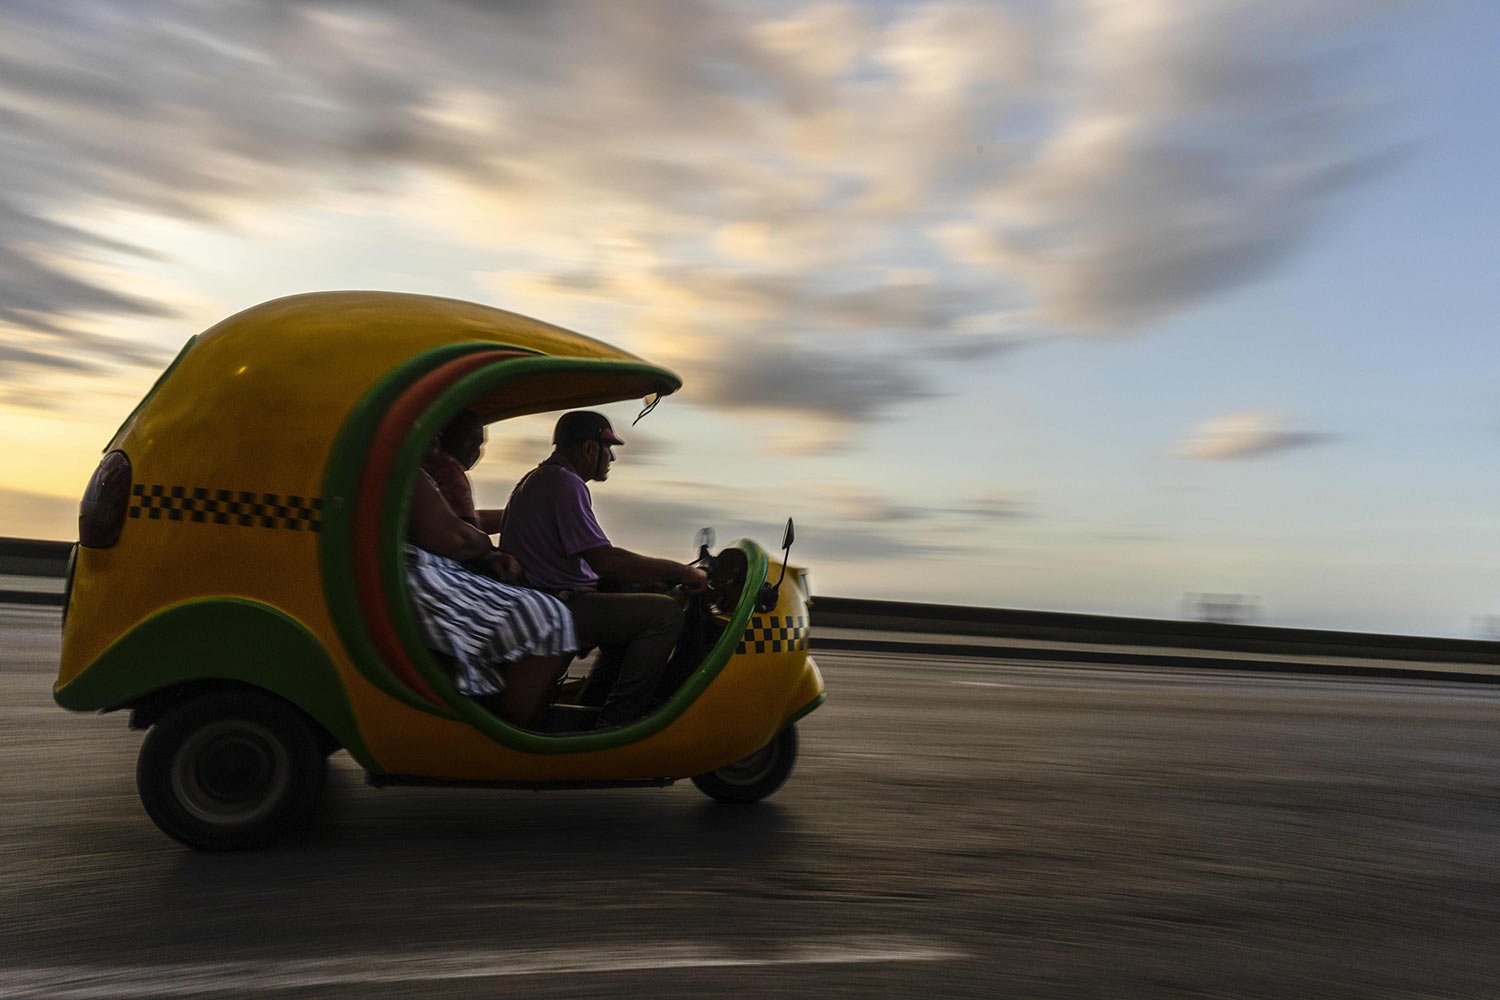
1229,609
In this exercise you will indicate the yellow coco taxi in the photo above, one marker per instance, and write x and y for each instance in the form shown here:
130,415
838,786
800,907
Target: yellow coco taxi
239,583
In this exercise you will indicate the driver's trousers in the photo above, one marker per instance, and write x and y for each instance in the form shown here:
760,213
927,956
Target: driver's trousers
639,631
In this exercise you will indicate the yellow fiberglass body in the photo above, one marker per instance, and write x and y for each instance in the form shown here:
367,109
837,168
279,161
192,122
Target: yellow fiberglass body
244,533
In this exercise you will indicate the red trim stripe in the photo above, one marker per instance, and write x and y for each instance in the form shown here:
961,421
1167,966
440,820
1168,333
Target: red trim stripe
369,510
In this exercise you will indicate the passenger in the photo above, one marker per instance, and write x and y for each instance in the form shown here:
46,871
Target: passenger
460,446
509,643
550,527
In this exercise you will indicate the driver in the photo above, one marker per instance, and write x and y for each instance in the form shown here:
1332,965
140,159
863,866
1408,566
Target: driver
550,528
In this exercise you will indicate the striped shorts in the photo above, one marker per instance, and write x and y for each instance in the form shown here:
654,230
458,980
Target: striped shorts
483,623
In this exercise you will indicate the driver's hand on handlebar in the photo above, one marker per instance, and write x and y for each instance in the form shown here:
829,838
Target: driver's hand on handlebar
694,580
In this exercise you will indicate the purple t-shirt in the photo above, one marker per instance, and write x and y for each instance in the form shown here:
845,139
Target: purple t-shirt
549,523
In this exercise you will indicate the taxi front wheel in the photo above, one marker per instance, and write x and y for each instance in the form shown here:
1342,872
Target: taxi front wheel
230,770
752,778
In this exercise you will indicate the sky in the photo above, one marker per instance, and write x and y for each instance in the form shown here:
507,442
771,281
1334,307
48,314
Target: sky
1078,305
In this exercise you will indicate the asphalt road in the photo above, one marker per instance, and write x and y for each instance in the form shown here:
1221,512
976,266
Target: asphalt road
954,828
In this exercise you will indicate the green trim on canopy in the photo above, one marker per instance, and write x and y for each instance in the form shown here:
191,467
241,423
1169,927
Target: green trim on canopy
346,465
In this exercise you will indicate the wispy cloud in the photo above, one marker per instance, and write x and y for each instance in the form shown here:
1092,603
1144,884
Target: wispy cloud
826,192
994,506
838,524
1244,435
1195,146
852,503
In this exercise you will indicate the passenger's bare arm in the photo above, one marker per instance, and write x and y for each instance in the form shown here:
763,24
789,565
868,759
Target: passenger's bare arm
434,526
490,520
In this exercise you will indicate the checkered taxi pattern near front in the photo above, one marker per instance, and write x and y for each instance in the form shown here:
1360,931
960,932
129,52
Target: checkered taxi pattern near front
243,508
775,634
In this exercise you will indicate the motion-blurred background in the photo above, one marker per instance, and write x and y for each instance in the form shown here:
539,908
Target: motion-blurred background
1148,308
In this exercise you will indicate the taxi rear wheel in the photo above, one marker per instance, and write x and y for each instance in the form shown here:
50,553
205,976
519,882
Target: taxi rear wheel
752,778
230,770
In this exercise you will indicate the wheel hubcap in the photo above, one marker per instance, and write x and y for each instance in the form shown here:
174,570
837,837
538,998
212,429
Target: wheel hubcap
231,772
749,770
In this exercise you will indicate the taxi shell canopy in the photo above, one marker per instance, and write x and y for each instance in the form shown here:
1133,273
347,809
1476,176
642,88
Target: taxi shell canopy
289,372
272,466
249,455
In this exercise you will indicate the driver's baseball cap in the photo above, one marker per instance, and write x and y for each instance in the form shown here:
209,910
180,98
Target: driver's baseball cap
584,425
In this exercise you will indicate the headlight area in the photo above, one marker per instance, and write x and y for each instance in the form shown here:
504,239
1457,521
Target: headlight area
101,513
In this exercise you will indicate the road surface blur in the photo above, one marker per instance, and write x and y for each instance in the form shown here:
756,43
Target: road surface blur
954,828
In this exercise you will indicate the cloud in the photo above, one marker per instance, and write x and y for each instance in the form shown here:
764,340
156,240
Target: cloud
812,187
993,506
661,519
775,344
851,503
785,378
1196,146
1243,435
864,506
41,294
837,543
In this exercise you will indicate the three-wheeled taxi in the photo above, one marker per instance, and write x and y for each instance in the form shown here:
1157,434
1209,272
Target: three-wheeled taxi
239,587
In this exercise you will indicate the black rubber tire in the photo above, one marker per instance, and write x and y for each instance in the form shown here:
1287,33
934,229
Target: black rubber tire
756,776
230,770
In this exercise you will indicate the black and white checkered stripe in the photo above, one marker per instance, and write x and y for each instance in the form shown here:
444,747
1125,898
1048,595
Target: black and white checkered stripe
201,505
775,634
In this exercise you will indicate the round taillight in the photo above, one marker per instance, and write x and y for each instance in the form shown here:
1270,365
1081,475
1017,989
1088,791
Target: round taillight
101,515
